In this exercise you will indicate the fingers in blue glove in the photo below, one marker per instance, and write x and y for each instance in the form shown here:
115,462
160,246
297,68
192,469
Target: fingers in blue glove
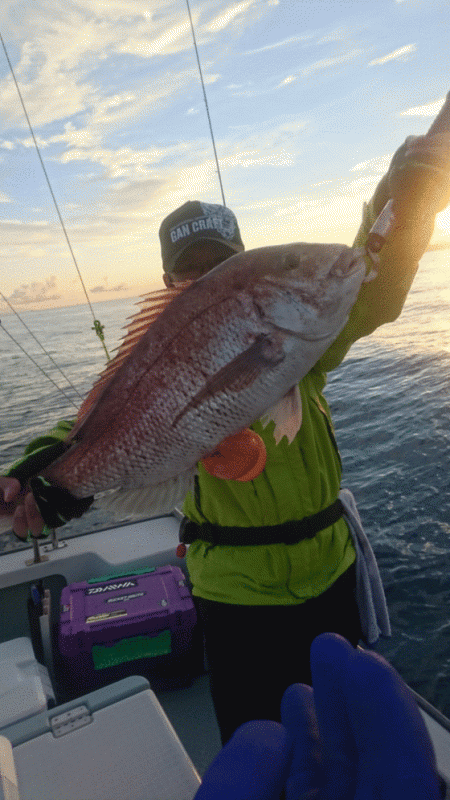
405,764
253,765
331,658
298,716
363,706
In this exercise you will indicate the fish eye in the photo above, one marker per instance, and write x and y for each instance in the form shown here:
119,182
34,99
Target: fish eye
290,261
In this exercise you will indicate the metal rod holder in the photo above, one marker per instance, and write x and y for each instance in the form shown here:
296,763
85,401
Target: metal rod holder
38,558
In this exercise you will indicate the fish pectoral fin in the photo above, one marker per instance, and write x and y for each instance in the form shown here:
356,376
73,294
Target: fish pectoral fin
286,414
264,353
155,500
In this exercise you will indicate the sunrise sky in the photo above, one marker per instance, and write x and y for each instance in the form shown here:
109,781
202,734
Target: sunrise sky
308,100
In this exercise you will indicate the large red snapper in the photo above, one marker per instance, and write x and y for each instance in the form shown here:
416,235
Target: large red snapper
201,366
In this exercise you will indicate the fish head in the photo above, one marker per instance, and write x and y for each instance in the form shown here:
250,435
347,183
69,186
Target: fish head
308,289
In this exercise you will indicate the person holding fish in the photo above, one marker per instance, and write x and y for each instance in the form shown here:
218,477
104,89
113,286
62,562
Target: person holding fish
277,553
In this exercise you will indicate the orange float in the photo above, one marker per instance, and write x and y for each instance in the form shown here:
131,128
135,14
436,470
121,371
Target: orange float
241,457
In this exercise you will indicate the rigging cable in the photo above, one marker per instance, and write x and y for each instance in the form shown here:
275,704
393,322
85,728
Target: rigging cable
97,327
5,300
36,364
206,102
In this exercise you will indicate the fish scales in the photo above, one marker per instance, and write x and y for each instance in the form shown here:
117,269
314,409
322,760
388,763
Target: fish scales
215,359
146,420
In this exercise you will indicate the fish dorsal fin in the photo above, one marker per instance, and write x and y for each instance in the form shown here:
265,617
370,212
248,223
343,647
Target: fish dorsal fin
286,414
151,306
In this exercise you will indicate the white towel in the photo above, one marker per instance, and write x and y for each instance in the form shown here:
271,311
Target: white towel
373,611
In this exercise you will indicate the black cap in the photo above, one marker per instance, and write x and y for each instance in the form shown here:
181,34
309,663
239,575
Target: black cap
196,221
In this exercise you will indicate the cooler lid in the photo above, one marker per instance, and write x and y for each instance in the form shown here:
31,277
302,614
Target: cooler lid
127,748
21,691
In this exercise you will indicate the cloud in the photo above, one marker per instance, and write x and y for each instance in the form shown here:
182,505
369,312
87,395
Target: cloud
65,63
225,18
283,43
428,110
324,63
134,195
169,41
93,72
337,35
38,223
141,176
289,79
125,162
402,53
252,159
150,183
278,132
49,83
121,287
66,60
318,210
34,292
379,164
76,137
199,179
85,139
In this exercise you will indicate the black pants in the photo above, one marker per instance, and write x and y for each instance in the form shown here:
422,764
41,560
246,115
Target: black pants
255,652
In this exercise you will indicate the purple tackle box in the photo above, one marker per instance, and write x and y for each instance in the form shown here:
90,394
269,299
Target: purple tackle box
138,623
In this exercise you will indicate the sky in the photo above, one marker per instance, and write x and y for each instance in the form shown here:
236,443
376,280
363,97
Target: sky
308,101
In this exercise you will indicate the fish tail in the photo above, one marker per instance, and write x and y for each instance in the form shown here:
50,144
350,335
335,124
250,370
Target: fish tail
153,501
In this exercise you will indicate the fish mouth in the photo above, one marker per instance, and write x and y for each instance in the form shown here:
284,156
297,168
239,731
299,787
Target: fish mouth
347,265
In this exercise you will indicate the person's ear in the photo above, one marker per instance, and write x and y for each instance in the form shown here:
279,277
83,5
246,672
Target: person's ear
168,280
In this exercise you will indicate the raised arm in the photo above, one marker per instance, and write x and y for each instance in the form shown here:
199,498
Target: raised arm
418,182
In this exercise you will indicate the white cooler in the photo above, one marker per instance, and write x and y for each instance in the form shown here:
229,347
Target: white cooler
25,687
113,743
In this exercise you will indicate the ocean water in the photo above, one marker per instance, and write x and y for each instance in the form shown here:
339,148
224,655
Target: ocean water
391,408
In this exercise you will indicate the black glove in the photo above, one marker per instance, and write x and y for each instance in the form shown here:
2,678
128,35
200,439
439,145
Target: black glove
57,505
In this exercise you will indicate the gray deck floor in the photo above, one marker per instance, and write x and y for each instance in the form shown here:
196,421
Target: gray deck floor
192,715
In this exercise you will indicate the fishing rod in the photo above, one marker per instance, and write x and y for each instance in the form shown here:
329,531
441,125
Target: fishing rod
206,103
5,300
38,365
97,327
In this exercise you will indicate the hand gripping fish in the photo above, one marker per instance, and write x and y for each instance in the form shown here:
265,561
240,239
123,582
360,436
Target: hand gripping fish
197,366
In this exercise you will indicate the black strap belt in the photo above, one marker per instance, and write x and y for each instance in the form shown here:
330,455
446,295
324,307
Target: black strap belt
287,533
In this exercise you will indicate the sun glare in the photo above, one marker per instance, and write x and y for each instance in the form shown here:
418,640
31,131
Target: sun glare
443,221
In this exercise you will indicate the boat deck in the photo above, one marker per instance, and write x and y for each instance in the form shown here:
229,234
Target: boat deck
151,543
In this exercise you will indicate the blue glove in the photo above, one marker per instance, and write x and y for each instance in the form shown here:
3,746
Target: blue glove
253,765
373,742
